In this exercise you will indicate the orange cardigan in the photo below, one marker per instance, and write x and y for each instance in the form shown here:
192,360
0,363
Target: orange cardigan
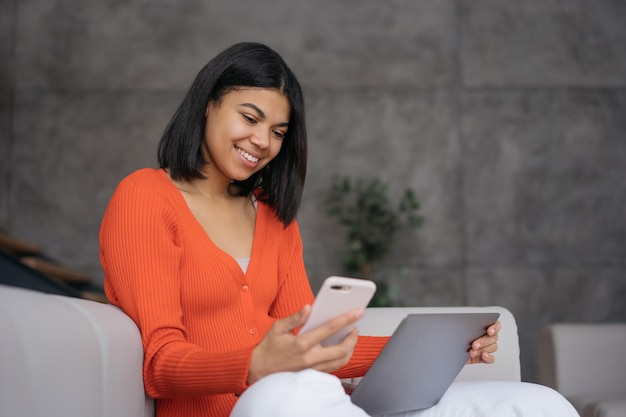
199,315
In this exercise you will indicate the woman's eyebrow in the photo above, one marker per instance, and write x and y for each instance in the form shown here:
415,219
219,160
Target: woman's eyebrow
260,112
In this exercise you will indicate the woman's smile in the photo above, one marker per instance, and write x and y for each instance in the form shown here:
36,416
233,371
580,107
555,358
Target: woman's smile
247,156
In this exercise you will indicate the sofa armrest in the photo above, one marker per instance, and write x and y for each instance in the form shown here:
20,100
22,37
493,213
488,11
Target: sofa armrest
69,357
583,359
382,321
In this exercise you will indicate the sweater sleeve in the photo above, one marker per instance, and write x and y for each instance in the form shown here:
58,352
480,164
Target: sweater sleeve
140,253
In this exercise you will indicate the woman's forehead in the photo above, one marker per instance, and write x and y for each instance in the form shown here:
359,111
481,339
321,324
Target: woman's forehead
267,101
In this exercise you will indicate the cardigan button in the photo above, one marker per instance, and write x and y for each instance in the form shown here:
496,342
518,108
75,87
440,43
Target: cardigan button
245,288
251,331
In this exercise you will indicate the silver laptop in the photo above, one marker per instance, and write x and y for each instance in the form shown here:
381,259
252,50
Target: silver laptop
420,361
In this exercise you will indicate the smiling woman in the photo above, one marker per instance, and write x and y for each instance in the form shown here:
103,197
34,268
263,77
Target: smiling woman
205,255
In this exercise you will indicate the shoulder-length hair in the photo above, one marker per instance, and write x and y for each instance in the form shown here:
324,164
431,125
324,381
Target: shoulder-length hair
247,64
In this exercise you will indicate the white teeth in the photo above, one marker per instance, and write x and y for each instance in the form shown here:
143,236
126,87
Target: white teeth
247,156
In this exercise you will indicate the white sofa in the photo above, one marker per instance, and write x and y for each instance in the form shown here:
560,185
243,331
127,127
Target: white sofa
70,357
586,363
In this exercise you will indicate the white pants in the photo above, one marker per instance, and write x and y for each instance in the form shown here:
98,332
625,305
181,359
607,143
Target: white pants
317,394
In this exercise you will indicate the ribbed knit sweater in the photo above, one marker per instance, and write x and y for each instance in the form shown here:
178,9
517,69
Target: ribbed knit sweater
199,314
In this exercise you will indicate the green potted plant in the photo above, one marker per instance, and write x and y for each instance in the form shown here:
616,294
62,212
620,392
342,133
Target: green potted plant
371,221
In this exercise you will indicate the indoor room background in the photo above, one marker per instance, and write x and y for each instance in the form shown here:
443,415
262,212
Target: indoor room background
507,118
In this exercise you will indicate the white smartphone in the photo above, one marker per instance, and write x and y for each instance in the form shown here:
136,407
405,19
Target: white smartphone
336,296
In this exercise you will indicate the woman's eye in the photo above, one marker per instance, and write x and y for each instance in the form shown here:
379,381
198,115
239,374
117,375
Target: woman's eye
249,119
279,134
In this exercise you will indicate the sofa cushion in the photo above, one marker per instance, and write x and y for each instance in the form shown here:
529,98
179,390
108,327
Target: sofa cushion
69,357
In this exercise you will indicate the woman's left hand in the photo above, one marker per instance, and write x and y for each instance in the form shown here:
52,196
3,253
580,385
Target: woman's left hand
483,348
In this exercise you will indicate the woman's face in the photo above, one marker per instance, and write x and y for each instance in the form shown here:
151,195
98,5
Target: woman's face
245,131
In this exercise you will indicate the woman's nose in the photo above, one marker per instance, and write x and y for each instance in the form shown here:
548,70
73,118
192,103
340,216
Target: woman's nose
260,139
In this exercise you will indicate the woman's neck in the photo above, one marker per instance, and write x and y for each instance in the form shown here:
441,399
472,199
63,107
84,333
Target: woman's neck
212,190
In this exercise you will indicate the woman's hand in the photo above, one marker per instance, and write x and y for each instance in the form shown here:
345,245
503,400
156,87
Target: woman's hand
483,348
281,350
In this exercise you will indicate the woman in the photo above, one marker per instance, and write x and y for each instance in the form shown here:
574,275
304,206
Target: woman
205,256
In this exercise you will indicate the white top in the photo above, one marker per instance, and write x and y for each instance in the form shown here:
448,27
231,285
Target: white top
243,263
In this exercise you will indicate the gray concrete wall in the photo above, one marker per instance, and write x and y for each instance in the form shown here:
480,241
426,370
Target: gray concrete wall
506,117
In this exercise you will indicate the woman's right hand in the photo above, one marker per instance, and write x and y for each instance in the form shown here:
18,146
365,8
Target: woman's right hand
281,350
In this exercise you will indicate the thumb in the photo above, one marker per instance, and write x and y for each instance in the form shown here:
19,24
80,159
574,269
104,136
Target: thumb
295,321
